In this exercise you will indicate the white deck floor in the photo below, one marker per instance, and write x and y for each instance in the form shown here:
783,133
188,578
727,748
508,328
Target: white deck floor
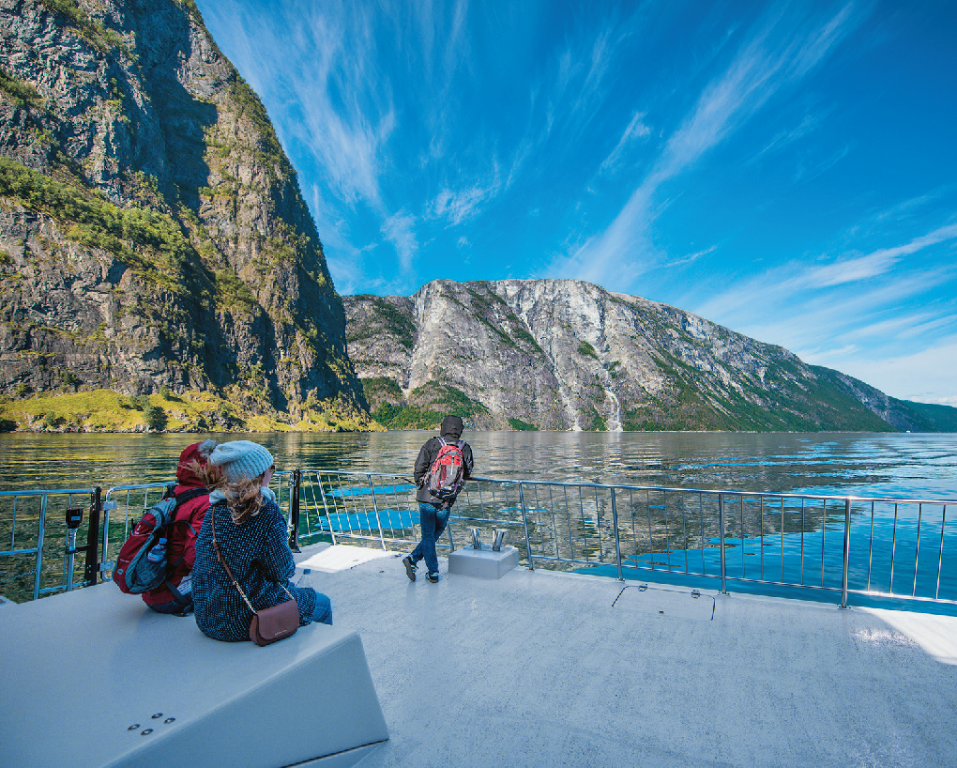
540,669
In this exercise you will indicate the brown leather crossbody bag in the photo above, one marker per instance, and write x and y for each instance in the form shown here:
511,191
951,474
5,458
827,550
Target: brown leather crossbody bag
268,624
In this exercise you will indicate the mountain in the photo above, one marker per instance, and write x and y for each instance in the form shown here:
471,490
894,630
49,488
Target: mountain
565,354
154,243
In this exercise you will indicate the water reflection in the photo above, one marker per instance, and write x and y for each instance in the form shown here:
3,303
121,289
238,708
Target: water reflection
870,465
674,532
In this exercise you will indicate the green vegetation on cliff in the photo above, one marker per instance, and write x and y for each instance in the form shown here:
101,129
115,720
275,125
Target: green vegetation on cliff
941,418
22,94
388,320
172,246
151,243
94,32
427,406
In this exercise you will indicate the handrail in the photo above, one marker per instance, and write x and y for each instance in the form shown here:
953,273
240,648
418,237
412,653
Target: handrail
630,527
38,536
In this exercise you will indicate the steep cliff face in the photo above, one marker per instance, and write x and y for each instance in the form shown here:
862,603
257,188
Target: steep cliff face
152,232
564,354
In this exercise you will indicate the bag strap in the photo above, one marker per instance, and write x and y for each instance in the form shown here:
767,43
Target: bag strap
212,522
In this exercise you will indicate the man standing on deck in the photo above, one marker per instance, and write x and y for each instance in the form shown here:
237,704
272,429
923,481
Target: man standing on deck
443,465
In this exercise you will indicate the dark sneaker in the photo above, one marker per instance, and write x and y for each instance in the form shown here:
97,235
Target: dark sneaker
409,567
433,578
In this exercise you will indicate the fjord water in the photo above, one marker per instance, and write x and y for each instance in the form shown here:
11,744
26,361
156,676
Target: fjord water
899,465
902,466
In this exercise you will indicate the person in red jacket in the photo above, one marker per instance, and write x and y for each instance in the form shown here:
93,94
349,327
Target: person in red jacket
192,473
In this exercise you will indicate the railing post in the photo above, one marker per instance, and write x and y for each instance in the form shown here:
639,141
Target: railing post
528,544
724,573
325,507
38,568
847,551
294,481
375,507
91,571
614,517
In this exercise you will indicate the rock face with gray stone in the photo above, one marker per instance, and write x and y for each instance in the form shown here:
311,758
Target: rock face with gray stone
152,230
565,354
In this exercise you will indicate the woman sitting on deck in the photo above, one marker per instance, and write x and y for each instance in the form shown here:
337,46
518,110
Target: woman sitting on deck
252,539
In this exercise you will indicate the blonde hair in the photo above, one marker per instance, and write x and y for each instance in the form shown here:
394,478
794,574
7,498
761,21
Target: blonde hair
244,498
209,474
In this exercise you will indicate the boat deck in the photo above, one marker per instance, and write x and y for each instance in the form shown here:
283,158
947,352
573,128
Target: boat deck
549,669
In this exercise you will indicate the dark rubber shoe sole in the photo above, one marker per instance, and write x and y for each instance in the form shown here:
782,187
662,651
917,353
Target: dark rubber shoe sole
409,567
433,578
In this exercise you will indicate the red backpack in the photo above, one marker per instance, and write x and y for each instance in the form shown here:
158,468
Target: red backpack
135,571
447,474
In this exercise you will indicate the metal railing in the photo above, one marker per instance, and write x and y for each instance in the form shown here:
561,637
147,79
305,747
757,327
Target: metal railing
47,523
372,507
124,505
839,545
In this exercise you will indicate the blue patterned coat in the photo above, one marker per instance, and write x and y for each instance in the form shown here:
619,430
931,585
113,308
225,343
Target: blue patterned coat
259,556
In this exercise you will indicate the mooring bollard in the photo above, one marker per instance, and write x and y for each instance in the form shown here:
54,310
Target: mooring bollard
484,562
499,538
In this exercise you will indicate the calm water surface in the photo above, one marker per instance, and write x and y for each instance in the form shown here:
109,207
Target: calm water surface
898,465
915,466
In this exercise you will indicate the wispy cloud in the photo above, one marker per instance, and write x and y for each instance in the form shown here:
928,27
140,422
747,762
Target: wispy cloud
327,52
691,257
921,376
399,229
579,76
874,264
850,308
458,206
781,52
804,288
808,125
636,129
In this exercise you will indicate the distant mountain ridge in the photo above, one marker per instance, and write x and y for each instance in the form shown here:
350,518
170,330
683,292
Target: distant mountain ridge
565,354
152,231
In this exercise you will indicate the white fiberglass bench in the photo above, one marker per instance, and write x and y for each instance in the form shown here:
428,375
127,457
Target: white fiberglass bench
94,678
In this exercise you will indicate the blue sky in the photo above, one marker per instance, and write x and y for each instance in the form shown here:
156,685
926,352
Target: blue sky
786,169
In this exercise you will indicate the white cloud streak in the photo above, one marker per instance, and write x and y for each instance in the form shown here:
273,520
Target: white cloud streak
849,314
461,205
399,229
775,58
926,376
636,130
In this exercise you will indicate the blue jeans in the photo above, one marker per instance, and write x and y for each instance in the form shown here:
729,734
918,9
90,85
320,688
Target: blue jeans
323,612
433,521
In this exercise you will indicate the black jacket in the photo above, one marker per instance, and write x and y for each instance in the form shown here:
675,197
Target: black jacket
451,432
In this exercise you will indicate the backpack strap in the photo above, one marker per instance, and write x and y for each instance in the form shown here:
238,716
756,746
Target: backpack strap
191,494
181,600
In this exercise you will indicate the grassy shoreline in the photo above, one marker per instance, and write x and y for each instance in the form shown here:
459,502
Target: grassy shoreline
104,410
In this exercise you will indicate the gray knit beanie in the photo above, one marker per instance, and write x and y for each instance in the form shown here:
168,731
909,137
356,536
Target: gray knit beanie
241,460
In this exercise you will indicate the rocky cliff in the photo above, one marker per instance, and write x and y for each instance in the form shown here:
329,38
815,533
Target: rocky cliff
152,231
564,354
